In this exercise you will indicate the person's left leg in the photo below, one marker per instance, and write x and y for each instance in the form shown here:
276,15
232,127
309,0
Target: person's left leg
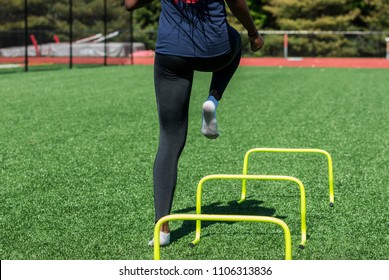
173,82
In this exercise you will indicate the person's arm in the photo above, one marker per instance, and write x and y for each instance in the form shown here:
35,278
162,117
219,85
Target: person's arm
136,4
241,11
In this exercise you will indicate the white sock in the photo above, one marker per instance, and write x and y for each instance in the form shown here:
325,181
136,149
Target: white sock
209,125
164,239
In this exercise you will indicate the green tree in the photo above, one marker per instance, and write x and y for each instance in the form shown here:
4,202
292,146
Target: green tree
11,22
314,14
146,24
317,15
11,14
374,17
375,14
46,18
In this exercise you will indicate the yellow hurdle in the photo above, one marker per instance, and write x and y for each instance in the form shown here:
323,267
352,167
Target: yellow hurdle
286,150
252,177
222,218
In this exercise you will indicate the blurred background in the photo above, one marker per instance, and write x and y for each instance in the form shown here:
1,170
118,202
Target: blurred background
101,32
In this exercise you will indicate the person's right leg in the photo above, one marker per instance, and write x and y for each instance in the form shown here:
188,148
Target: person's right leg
173,82
222,76
223,68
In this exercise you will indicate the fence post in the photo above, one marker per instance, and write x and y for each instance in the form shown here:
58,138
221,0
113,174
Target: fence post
26,35
132,37
286,45
105,32
70,34
387,47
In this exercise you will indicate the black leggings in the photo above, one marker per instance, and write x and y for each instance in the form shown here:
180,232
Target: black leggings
173,78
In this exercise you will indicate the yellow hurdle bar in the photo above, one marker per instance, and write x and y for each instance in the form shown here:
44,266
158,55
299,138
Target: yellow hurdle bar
252,177
222,218
286,150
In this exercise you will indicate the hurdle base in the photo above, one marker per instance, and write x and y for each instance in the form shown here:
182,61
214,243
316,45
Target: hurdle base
240,201
221,218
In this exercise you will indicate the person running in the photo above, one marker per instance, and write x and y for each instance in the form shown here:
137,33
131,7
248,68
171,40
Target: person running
193,35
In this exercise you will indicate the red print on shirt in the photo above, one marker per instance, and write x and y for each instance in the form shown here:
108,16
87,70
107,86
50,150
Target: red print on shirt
187,1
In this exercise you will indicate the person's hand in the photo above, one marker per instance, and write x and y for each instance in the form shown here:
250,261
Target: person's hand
256,42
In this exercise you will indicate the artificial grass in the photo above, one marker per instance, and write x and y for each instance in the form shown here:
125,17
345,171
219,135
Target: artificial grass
77,150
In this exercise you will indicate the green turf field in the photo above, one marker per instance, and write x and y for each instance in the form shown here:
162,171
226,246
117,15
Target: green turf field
77,150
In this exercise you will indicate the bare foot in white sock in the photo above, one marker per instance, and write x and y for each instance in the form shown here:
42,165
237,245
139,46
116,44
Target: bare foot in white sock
209,126
164,239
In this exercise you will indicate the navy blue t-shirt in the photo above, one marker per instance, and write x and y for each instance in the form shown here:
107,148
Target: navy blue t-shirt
193,28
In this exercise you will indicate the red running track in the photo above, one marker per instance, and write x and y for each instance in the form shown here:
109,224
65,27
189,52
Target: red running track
318,62
265,62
